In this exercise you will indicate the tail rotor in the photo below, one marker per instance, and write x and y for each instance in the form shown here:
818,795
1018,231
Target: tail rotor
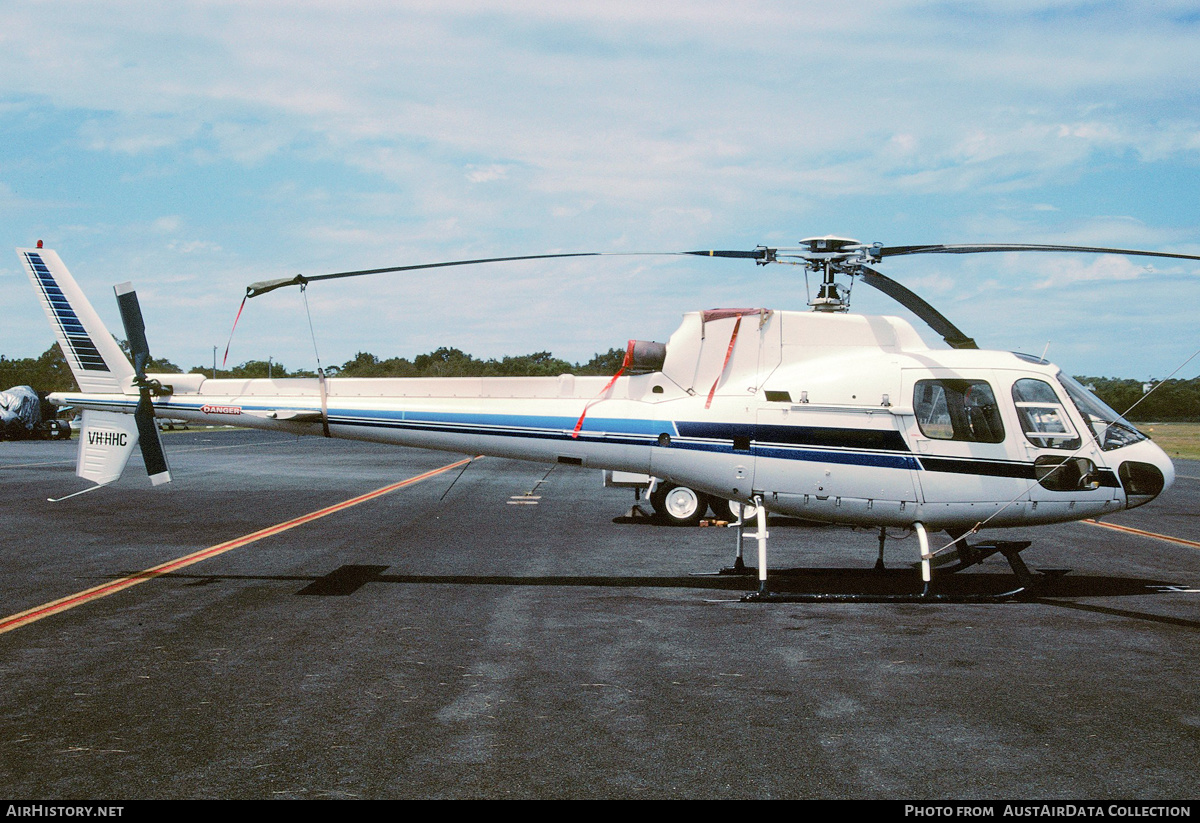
148,434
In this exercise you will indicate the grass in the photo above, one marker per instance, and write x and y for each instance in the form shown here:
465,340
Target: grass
1180,440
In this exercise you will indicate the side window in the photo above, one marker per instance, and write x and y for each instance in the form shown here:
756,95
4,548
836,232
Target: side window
958,410
1043,418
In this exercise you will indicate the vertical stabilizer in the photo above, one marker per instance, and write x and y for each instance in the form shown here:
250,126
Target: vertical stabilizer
105,442
96,360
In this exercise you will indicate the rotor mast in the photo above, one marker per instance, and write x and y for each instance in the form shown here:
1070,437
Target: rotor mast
829,256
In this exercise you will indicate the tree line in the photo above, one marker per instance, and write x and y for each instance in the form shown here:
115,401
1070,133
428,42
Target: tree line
1171,400
50,372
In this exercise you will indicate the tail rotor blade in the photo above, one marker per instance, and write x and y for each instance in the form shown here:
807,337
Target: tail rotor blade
150,440
135,327
149,437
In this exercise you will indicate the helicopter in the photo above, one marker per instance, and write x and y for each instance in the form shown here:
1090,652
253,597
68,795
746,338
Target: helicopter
823,415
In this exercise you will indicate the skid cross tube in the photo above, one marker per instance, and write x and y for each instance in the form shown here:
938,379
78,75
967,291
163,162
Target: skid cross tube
1027,583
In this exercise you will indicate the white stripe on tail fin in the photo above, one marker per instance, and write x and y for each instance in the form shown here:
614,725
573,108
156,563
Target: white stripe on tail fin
95,359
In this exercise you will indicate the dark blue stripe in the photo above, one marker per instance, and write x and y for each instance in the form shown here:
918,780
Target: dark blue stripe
84,351
874,459
984,468
819,436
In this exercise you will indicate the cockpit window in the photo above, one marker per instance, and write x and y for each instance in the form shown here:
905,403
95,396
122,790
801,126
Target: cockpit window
1043,418
1112,431
958,410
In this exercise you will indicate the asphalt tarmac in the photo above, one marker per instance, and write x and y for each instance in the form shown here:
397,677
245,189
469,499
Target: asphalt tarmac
500,630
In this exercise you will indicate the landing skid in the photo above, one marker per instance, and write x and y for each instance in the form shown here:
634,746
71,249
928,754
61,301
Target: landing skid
1016,595
966,556
738,569
1028,585
969,555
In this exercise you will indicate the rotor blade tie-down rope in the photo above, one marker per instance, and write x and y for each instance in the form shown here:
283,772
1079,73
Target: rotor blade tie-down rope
624,365
728,353
320,370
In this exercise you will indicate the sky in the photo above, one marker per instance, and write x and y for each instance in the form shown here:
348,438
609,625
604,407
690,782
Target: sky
196,147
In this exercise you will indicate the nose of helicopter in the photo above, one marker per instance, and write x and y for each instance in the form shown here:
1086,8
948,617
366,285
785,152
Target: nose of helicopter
1145,472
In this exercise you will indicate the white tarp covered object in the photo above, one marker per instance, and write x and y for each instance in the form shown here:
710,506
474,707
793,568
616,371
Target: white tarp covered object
20,407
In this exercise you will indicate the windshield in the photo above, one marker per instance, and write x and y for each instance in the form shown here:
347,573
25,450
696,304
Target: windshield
1112,431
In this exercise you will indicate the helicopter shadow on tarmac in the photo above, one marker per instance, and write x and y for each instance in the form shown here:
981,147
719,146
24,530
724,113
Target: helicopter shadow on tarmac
902,579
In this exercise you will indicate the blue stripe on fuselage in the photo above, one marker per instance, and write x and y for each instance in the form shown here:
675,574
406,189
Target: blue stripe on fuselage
613,430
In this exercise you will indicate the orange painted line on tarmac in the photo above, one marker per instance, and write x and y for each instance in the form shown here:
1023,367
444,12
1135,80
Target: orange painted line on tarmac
71,601
1131,530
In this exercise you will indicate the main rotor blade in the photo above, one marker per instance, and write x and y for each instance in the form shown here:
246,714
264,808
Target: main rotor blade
907,298
755,254
762,255
974,248
264,286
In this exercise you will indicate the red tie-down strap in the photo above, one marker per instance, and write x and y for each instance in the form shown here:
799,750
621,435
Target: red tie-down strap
231,331
624,365
733,339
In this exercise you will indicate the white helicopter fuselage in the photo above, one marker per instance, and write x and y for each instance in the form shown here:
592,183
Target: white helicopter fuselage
827,416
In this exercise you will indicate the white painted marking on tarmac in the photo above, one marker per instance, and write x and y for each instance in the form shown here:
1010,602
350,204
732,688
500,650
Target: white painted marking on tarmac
38,465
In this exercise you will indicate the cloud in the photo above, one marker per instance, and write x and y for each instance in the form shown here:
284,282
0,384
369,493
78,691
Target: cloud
486,174
168,225
305,136
1073,270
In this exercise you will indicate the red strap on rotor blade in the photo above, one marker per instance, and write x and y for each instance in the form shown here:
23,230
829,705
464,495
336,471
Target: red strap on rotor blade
624,365
737,325
235,321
